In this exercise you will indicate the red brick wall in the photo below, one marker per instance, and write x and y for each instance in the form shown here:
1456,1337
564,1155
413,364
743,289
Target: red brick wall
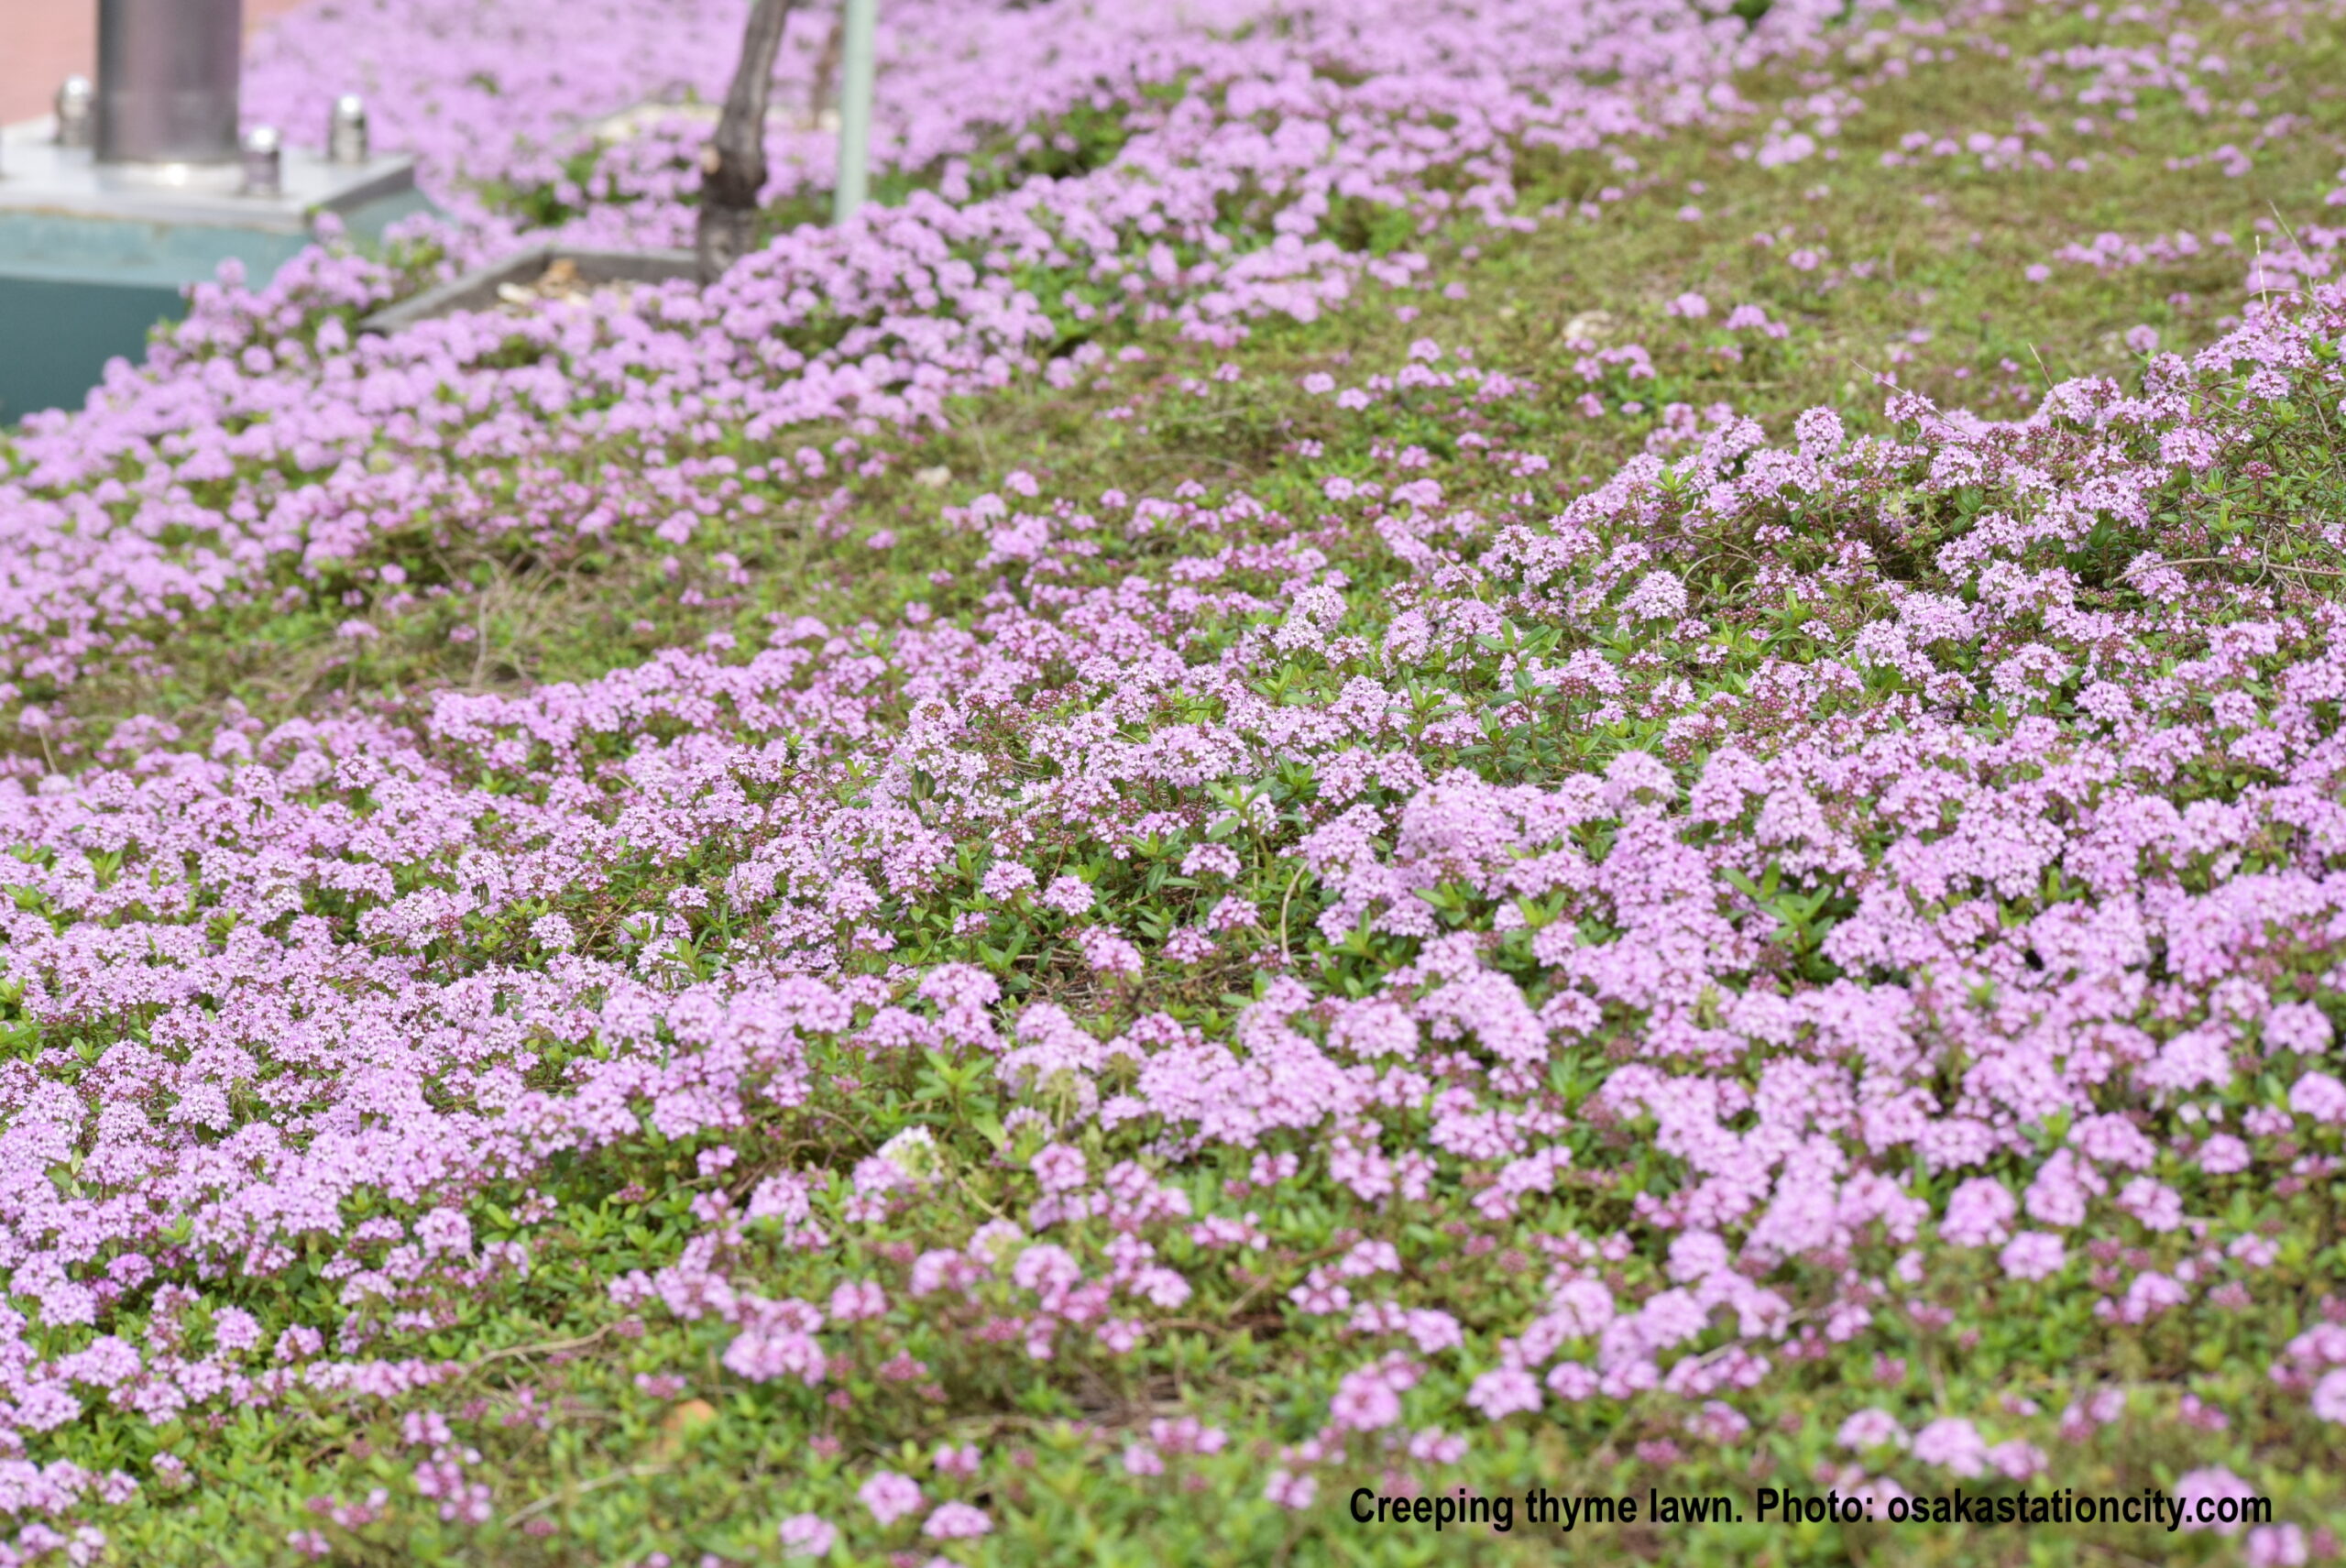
44,41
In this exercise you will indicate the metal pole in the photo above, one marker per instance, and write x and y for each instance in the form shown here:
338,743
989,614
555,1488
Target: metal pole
855,111
167,80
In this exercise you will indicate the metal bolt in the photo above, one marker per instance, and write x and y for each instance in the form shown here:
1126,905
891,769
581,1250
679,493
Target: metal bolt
346,131
264,163
77,113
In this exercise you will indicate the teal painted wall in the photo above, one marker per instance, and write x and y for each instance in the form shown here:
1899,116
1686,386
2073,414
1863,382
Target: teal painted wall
77,291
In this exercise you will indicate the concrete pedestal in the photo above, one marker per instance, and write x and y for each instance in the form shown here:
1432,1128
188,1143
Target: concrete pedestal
92,256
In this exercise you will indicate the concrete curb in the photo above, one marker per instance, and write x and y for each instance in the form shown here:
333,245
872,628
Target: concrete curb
477,289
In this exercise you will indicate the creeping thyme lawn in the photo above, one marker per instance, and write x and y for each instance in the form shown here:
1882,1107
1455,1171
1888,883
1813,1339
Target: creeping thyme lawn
1395,746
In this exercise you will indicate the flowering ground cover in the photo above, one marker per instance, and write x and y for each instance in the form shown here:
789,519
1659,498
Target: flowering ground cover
1390,746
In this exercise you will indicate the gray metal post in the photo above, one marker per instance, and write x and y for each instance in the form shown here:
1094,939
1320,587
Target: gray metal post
855,111
167,80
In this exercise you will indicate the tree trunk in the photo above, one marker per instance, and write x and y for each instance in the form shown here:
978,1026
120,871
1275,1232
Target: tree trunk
733,165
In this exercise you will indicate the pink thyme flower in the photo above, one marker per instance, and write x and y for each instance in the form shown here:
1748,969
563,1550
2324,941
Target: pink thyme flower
807,1535
889,1496
955,1521
1954,1444
1067,894
2033,1254
1872,1428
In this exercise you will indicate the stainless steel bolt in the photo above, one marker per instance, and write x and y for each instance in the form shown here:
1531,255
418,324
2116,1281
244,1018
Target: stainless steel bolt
346,131
264,157
77,113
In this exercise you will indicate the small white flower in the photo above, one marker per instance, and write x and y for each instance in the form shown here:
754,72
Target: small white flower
914,1152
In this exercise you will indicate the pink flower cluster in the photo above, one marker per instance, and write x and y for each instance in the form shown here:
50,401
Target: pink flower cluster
1973,1015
